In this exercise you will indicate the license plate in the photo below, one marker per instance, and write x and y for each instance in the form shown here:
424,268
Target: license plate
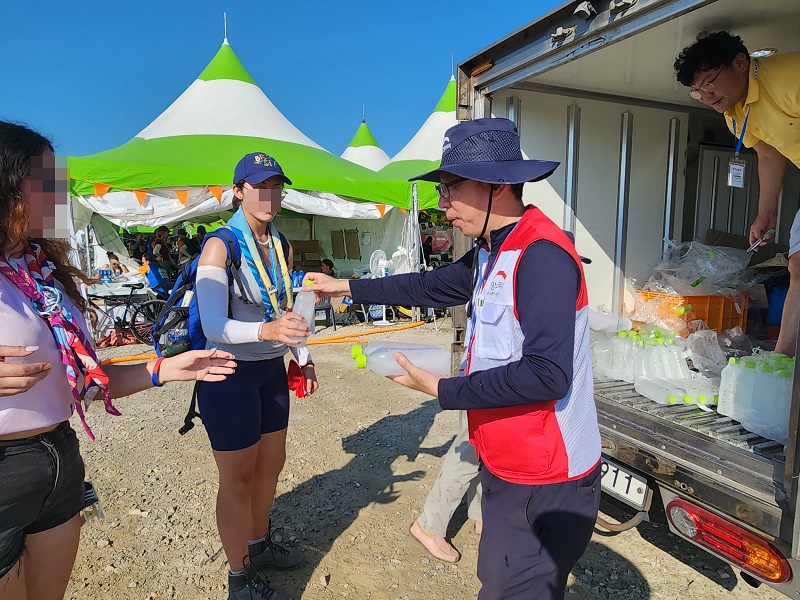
623,484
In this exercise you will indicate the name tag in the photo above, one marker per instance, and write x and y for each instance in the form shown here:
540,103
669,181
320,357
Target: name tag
736,168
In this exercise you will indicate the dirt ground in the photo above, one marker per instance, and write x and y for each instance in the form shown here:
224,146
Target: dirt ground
362,454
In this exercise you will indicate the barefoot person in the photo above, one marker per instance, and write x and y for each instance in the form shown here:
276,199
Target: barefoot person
48,370
527,373
246,416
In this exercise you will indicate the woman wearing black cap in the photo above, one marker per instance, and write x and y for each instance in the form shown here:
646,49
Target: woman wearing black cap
246,420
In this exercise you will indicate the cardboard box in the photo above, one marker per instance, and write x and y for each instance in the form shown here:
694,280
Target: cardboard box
303,246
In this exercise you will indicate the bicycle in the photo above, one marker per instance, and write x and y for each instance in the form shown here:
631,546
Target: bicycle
138,317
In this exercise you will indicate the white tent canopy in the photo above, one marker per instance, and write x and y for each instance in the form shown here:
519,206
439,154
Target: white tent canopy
364,149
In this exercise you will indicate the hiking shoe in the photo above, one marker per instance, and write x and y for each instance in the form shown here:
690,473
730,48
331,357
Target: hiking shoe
250,585
266,554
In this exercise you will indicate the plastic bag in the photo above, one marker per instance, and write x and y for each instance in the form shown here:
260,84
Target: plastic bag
735,342
695,269
705,352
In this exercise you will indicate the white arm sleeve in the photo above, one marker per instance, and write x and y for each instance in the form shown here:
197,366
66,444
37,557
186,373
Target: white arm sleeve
212,287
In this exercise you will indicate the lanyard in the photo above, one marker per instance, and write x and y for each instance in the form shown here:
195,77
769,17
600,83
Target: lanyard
740,138
252,255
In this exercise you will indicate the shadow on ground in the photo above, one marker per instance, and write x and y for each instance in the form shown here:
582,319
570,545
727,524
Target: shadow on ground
323,512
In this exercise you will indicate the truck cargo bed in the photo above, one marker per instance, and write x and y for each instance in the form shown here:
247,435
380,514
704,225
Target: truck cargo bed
702,455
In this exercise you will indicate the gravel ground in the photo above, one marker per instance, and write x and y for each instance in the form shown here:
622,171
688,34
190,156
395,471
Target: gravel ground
362,454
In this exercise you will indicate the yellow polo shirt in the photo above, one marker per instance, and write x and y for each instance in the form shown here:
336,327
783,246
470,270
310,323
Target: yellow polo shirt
773,96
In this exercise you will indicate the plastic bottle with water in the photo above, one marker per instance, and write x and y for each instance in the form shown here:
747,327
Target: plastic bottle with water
728,387
619,356
771,418
601,355
738,402
379,358
654,359
641,364
304,304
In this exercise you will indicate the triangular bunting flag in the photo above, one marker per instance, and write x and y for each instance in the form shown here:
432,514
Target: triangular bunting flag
381,209
140,196
101,189
183,196
216,191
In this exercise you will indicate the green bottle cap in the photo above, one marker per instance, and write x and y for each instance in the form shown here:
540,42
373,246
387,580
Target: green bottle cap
749,364
687,398
361,361
702,399
356,350
672,399
733,360
785,374
622,334
767,369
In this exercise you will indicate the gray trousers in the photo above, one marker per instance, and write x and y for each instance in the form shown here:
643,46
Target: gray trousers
459,475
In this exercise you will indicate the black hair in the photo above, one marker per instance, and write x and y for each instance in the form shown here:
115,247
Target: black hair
237,202
711,50
516,189
150,257
111,255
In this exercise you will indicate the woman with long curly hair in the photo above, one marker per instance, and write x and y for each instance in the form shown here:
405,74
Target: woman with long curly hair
48,370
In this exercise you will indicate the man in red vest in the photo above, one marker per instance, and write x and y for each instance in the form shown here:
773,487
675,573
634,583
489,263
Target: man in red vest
526,377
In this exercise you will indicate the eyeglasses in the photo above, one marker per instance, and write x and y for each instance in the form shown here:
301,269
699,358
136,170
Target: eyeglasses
443,189
707,87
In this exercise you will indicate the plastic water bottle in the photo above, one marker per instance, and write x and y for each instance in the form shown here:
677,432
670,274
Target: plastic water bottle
304,307
771,418
618,355
654,359
728,387
675,366
380,358
601,355
654,389
641,365
744,409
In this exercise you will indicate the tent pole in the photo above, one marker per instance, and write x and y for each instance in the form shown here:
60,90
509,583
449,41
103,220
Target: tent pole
416,311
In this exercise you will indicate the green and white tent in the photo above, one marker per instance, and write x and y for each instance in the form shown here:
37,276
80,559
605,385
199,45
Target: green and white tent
179,167
424,151
364,149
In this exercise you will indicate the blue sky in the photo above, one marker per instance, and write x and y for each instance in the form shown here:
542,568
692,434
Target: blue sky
92,74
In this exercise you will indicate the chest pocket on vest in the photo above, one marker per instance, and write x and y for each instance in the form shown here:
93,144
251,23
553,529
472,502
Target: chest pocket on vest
495,336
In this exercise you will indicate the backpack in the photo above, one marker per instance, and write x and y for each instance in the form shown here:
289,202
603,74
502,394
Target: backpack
177,327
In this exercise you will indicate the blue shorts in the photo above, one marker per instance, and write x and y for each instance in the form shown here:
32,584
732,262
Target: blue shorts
253,401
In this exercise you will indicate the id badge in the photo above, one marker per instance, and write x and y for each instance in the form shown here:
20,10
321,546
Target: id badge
736,167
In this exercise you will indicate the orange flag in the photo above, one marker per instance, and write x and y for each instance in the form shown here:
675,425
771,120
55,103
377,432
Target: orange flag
101,189
183,196
216,191
381,209
140,196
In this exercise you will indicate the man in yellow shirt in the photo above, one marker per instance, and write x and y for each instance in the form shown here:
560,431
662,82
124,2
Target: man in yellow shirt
760,98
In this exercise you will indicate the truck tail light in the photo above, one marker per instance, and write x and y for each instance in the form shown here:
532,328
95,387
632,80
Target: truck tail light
736,544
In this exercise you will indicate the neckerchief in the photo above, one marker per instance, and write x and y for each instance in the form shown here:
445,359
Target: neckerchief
77,354
272,298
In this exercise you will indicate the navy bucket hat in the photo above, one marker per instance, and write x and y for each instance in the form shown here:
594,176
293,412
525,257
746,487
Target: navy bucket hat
487,150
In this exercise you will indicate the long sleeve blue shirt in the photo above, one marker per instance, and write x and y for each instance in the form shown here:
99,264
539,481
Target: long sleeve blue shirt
547,284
